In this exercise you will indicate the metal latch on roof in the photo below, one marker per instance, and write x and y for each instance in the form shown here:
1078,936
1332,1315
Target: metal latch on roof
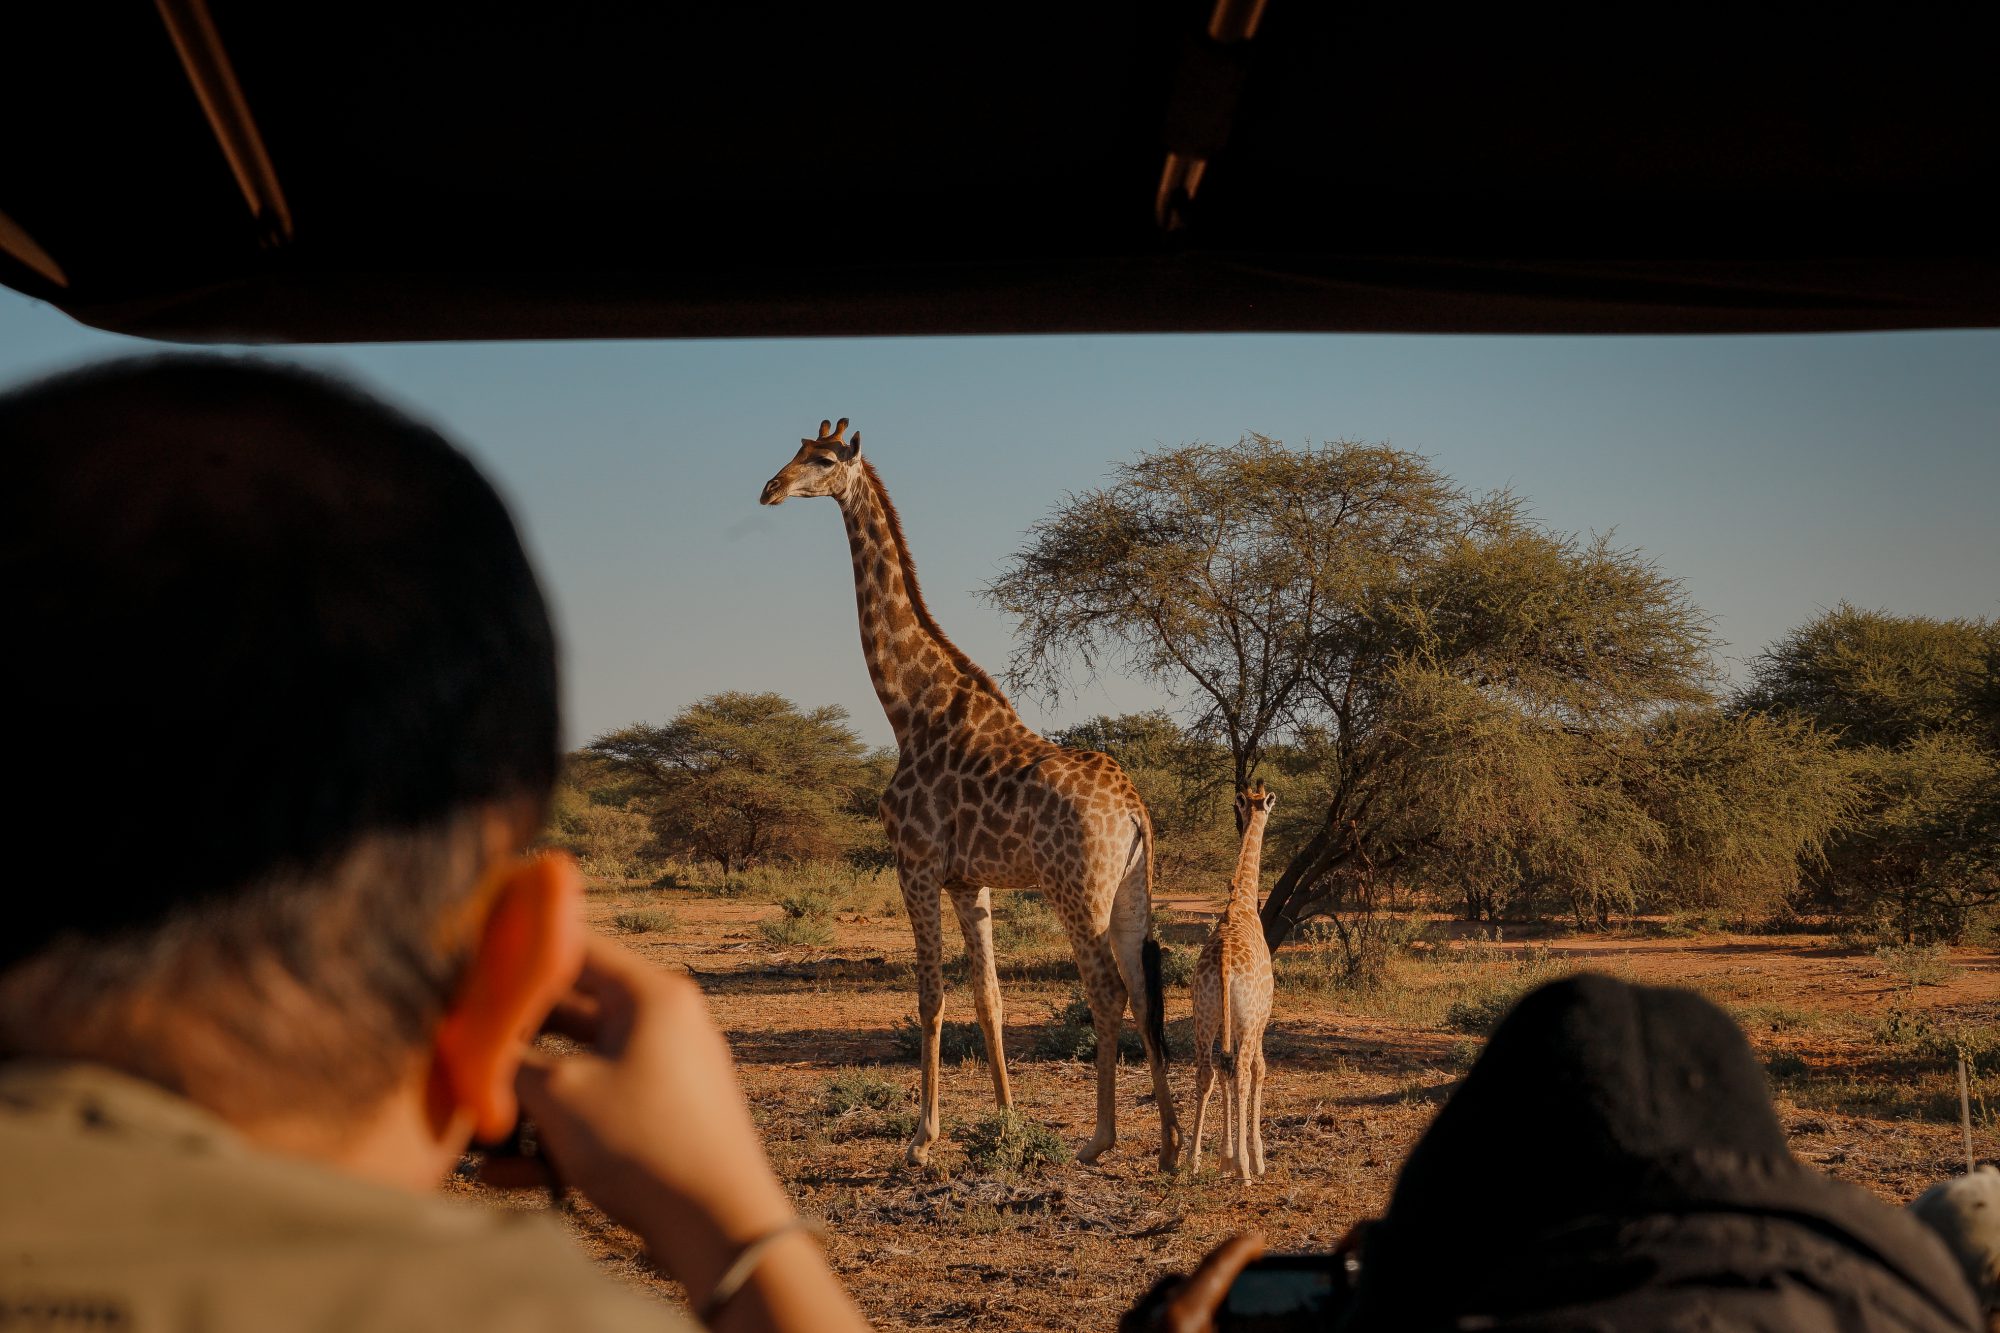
1210,83
214,79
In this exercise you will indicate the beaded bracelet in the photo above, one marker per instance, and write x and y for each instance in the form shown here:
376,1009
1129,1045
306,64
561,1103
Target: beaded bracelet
737,1275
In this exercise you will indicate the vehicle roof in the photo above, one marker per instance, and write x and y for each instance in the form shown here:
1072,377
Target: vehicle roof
593,169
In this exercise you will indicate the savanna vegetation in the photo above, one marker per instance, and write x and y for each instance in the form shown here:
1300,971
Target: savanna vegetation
1502,753
1461,710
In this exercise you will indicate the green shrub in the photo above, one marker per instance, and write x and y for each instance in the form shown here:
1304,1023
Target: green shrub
1920,1036
797,932
956,1042
1023,922
1072,1036
808,904
1177,965
1915,964
645,921
858,1090
1006,1143
1316,930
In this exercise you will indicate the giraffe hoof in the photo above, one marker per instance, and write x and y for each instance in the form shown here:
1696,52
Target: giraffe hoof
1093,1150
918,1153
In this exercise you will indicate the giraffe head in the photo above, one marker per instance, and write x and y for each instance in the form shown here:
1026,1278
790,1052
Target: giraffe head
821,466
1253,800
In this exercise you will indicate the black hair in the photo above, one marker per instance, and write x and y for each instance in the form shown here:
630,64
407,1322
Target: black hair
257,617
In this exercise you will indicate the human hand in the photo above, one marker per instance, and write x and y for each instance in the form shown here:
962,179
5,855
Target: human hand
1188,1305
650,1122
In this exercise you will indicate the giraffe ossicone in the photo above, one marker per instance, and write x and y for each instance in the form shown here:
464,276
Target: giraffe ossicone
980,802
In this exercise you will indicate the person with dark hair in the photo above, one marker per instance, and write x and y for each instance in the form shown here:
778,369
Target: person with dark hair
286,701
1612,1161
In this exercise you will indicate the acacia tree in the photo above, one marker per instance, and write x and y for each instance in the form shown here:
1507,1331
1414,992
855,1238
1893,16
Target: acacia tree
1915,703
738,778
1465,691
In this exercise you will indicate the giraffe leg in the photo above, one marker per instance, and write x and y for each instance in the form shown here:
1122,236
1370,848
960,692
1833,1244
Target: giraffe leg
1240,1094
1204,1088
1106,994
921,900
975,920
1257,1111
1131,938
1226,1063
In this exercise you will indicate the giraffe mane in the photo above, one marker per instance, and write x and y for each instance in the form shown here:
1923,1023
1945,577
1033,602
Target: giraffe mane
917,604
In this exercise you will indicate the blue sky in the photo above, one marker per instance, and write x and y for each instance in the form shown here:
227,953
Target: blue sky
1775,475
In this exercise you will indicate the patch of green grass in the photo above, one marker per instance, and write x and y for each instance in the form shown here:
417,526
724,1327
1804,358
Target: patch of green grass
1915,964
1784,1066
858,1090
1073,1036
1758,1017
1006,1143
808,904
1920,1035
957,1042
1177,965
1308,971
1930,1095
797,932
645,921
1479,1009
1024,922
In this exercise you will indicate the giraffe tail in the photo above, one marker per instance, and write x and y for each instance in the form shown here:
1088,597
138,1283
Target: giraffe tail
1228,1060
1156,998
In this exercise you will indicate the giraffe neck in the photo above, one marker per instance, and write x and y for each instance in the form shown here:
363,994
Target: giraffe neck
920,676
1249,864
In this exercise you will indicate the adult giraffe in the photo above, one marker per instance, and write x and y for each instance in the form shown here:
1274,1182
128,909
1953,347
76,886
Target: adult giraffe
979,802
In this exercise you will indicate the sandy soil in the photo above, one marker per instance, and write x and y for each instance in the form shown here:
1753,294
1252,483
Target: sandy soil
1349,1091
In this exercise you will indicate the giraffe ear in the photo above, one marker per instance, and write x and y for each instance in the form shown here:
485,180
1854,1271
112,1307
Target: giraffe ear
854,446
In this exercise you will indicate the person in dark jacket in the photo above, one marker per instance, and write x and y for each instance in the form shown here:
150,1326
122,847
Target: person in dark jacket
1612,1161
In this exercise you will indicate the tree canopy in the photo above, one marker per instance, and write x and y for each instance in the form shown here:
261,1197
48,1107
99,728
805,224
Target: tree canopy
1882,679
1915,704
1465,695
739,778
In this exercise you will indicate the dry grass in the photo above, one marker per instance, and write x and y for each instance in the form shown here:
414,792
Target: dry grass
1861,1052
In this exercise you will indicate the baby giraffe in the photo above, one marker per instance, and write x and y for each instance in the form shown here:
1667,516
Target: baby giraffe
1232,1002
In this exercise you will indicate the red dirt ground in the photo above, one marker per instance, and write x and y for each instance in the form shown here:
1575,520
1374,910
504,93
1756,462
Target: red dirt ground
1351,1086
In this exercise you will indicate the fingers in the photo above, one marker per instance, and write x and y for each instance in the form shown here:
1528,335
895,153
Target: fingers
531,1086
576,1016
1192,1307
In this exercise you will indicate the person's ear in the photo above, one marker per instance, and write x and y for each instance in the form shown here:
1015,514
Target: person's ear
528,955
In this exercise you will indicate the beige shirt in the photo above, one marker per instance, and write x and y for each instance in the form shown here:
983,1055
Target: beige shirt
123,1207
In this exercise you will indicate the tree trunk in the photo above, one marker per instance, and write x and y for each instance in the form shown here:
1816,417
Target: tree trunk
1298,889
